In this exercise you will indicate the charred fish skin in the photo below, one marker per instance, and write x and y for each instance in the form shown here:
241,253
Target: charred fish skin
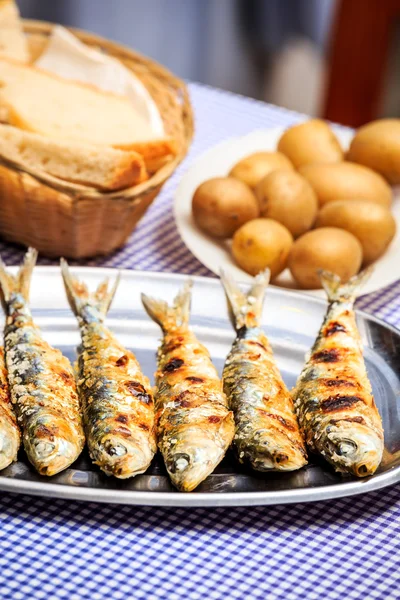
116,397
194,424
267,433
10,437
42,385
333,396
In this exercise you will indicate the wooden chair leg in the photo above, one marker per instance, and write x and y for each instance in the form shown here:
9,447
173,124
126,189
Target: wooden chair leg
358,57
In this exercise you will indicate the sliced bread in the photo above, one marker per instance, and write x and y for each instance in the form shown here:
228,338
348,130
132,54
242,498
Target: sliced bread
59,108
156,153
12,39
101,167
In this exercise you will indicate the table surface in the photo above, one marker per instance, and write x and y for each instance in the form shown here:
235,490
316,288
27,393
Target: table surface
339,549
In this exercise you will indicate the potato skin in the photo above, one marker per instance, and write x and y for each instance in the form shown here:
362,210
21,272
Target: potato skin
377,146
347,180
327,248
310,142
373,225
222,204
288,198
254,167
262,243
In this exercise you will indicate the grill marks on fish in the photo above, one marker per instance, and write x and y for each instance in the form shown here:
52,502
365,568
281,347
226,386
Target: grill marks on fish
334,383
173,365
334,327
329,355
338,402
116,397
122,361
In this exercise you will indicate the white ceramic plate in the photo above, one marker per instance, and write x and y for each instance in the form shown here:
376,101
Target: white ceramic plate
215,255
292,321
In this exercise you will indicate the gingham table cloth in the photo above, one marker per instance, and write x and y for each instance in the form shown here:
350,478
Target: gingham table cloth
347,548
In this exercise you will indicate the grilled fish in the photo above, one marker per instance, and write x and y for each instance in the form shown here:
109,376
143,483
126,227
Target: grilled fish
267,433
10,437
117,402
333,396
41,380
194,425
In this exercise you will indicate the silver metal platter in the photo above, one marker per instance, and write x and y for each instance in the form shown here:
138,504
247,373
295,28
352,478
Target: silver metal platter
291,320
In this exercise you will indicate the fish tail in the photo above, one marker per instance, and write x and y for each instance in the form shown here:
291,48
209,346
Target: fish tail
167,316
245,309
19,283
79,296
336,291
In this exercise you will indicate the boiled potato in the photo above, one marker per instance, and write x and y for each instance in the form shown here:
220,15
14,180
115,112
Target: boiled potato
377,145
372,224
262,243
221,205
327,248
287,197
347,180
253,168
310,142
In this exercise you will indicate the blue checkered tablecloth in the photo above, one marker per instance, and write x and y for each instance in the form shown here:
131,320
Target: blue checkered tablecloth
53,549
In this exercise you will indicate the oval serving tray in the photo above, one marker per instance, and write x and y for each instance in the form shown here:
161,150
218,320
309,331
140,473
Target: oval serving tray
291,320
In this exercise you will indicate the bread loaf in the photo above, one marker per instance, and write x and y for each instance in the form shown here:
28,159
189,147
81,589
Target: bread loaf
101,167
59,108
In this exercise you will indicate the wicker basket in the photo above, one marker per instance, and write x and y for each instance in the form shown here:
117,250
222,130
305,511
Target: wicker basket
64,219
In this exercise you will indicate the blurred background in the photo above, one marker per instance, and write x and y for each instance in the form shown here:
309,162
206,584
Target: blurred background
333,58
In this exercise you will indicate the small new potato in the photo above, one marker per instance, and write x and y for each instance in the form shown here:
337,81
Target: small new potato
347,180
377,146
253,168
372,224
221,205
327,248
310,142
262,243
287,197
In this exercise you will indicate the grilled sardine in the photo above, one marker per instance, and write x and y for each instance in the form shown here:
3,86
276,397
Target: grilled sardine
333,396
42,385
267,433
194,425
10,437
116,397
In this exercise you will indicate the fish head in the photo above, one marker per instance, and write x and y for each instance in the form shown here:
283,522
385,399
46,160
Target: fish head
352,447
123,456
9,443
52,444
192,454
271,450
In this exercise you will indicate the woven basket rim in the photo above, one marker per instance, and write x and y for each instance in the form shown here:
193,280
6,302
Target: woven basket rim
43,28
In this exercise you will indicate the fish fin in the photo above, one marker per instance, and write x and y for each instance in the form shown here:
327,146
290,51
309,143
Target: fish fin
245,309
79,296
337,291
167,316
19,283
